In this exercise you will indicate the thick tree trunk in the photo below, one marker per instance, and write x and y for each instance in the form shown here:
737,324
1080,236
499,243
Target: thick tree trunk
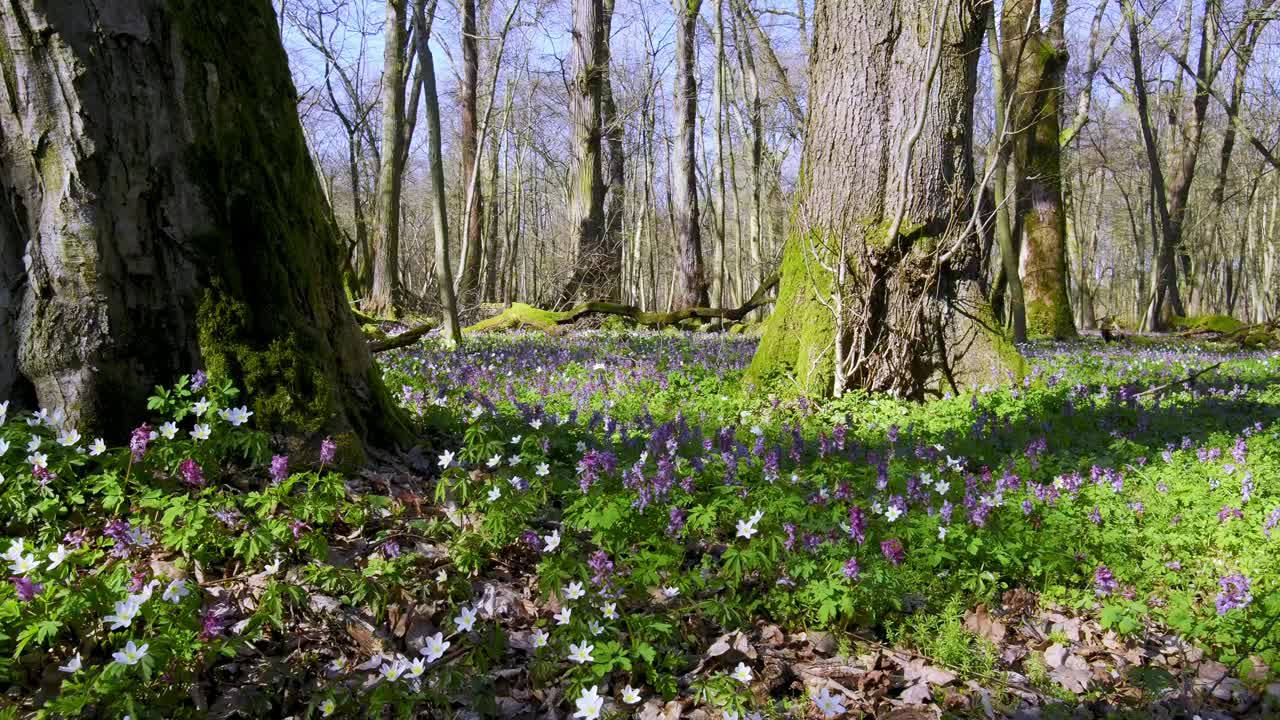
1035,59
598,266
469,275
691,280
156,176
386,269
886,169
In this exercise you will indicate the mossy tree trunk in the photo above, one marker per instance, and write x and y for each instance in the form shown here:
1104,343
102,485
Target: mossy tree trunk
1035,60
597,270
156,175
888,147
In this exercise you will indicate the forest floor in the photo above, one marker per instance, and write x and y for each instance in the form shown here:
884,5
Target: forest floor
615,524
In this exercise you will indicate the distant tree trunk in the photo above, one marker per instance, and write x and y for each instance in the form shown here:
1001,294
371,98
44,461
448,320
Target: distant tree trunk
691,280
755,115
876,266
1035,59
595,272
208,242
439,207
1007,290
616,189
386,269
469,274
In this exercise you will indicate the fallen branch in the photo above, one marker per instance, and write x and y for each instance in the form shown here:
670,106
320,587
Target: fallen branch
521,315
404,339
1190,378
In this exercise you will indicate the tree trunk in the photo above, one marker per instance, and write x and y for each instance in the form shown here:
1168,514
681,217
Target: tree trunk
1007,290
886,167
469,276
439,207
616,189
1035,59
597,267
157,176
691,281
386,270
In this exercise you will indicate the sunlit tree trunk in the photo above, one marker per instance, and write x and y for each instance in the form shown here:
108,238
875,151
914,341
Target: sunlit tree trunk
386,269
207,243
439,207
1034,62
887,168
472,244
587,189
690,275
616,189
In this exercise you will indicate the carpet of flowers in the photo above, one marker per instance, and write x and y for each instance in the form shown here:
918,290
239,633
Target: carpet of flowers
642,499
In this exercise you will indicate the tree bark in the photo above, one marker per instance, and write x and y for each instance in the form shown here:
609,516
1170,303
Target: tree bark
469,275
439,207
888,147
616,188
1035,59
598,268
691,280
386,269
156,174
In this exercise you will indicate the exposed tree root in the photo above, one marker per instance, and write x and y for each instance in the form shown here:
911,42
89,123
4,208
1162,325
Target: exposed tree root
520,315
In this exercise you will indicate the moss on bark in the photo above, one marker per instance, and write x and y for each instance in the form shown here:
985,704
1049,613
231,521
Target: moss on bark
797,338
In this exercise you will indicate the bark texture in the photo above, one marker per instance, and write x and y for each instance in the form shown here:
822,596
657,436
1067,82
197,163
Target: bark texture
886,178
472,244
386,268
597,269
1035,61
691,279
159,213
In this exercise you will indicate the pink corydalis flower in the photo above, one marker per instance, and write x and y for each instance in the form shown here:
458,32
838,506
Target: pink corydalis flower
192,475
328,449
139,440
279,468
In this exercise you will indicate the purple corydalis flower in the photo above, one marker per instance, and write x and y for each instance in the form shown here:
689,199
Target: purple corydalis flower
214,621
1104,582
601,569
390,548
27,588
893,551
857,524
1235,593
199,380
1272,521
76,538
192,475
1095,515
328,449
593,465
790,543
139,440
1227,512
530,538
279,468
675,521
851,569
